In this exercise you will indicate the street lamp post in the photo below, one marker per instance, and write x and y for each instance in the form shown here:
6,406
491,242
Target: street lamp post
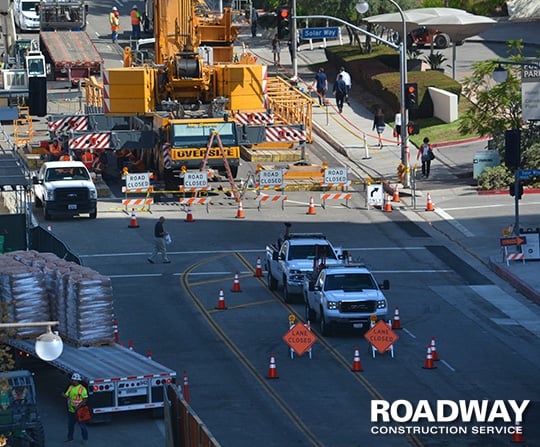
362,6
49,346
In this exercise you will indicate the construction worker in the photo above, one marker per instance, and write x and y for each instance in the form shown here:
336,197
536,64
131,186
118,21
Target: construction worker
88,159
76,396
55,150
135,23
65,156
114,20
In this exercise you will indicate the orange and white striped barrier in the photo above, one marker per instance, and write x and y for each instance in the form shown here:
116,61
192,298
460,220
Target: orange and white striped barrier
335,185
514,257
139,204
266,198
335,196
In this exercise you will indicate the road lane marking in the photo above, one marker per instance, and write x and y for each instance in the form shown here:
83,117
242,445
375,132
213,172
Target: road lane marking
448,365
458,226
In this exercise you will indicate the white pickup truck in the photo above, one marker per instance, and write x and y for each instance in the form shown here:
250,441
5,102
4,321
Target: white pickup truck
289,260
344,295
65,188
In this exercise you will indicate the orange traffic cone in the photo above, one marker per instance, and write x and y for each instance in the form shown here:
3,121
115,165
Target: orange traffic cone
356,366
396,322
517,436
434,350
149,354
258,268
189,216
429,360
240,211
133,222
272,370
429,205
221,301
395,197
49,228
236,284
311,209
387,204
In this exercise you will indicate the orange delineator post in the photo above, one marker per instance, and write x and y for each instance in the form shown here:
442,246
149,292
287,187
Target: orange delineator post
396,322
186,388
434,350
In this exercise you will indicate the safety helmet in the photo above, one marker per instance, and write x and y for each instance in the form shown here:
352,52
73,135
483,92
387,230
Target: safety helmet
134,7
76,376
114,8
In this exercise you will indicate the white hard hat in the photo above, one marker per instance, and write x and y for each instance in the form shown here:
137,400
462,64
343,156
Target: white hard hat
134,7
76,376
114,8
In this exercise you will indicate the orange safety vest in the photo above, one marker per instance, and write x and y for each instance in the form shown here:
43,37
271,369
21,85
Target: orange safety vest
88,160
55,149
65,157
135,17
115,21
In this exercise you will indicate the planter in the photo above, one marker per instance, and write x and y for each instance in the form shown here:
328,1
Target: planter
414,65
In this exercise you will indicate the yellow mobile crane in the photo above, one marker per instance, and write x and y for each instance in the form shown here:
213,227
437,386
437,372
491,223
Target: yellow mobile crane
196,86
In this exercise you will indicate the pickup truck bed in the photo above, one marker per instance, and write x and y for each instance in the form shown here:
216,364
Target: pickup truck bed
72,49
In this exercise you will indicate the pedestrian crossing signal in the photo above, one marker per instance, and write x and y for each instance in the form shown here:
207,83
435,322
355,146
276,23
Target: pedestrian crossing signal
413,129
283,24
411,96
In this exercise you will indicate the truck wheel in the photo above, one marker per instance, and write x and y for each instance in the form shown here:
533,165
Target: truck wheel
272,283
442,41
310,314
38,435
93,215
46,214
286,295
324,327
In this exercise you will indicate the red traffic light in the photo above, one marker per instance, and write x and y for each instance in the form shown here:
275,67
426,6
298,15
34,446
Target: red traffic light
284,13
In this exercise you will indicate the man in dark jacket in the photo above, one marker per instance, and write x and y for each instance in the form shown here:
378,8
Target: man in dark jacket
340,92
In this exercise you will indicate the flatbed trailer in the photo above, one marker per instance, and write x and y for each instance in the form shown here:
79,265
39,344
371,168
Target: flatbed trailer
71,55
117,378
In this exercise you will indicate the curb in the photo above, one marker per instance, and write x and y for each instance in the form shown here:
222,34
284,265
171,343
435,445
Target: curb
464,141
505,192
522,287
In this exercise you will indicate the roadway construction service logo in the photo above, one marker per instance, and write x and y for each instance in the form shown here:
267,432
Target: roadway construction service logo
447,417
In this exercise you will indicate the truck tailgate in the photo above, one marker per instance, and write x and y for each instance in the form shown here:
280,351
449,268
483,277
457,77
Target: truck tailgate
101,362
71,47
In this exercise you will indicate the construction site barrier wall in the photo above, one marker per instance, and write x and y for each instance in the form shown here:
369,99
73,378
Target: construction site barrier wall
183,427
43,240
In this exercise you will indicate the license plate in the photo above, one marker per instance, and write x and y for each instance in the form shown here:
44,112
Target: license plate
358,325
72,206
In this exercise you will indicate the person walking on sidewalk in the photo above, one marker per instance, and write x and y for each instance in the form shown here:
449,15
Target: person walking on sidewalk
160,245
76,396
276,49
426,152
378,124
114,20
348,82
254,19
397,127
340,92
321,85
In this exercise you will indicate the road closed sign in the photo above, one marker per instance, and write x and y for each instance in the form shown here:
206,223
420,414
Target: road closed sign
138,181
300,338
196,180
271,177
335,175
381,336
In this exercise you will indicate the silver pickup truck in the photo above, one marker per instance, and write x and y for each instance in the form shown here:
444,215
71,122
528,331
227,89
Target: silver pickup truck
64,188
288,261
344,295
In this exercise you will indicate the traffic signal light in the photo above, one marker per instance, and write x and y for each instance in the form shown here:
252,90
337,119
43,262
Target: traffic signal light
512,148
512,190
411,96
283,22
413,129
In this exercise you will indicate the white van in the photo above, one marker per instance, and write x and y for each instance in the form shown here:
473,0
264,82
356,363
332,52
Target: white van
25,14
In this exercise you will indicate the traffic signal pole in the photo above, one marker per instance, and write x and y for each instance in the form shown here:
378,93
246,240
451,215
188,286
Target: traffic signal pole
293,42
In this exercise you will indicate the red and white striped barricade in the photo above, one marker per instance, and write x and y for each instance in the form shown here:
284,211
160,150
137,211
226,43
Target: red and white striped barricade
335,196
137,183
272,199
194,183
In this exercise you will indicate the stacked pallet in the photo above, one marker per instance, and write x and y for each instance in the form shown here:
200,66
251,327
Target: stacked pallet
42,287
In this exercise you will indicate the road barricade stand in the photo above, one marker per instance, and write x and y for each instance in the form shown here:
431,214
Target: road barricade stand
138,183
195,183
518,255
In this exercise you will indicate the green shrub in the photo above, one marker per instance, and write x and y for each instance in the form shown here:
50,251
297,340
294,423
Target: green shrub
498,177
